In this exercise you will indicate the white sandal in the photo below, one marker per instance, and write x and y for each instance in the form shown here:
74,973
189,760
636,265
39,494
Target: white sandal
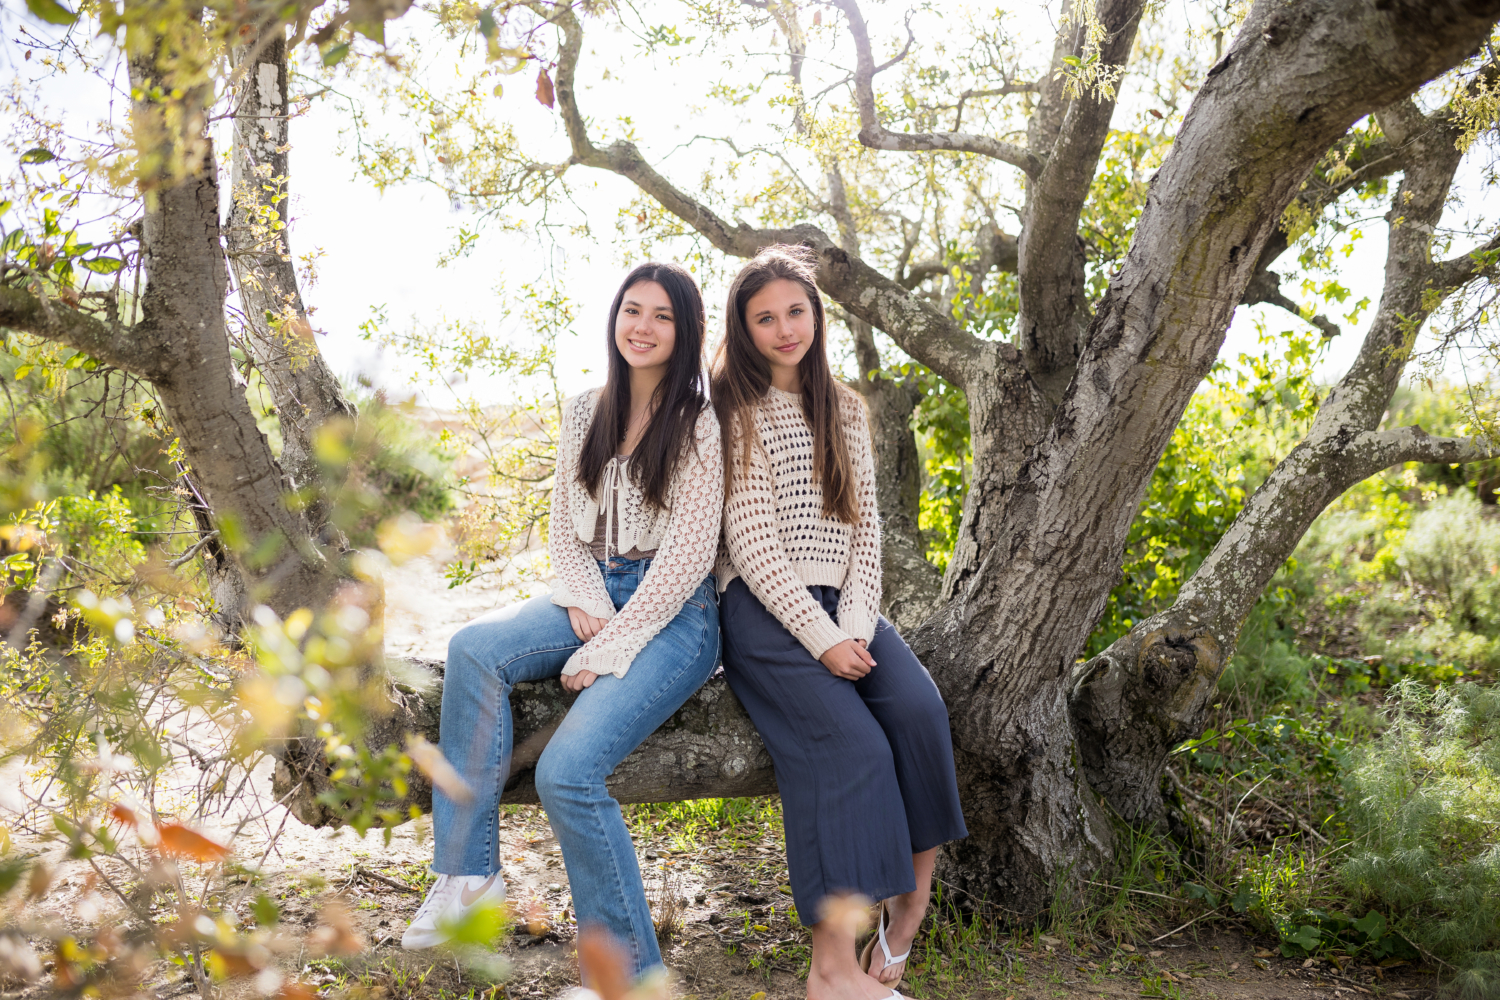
885,950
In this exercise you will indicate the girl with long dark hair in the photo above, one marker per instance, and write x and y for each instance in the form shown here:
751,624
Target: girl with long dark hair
854,723
632,623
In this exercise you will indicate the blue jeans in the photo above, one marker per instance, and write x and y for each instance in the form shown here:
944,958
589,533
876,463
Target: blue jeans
532,641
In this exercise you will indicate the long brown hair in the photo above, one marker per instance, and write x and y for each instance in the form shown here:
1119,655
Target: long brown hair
742,377
678,399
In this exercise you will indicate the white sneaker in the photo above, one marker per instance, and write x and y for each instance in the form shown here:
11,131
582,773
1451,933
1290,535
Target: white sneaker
448,901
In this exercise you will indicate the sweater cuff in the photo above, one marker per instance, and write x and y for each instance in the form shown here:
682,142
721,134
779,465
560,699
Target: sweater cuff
600,661
858,624
564,598
821,636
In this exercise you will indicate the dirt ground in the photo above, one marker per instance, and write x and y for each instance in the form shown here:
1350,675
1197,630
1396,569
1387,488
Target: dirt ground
726,897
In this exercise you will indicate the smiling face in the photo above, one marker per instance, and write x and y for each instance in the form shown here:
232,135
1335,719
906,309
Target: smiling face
645,329
780,320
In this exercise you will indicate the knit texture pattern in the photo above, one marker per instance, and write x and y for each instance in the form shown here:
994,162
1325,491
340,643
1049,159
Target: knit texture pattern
685,537
777,539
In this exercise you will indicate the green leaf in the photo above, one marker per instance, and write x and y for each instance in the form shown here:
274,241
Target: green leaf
23,371
38,154
13,239
265,910
335,54
487,22
102,265
11,871
52,12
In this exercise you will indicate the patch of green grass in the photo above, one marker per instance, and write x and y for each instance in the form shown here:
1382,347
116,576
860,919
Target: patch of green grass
689,825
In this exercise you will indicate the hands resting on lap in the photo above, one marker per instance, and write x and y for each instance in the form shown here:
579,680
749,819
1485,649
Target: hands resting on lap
848,659
585,626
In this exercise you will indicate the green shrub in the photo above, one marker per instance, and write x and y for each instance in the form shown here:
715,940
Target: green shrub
1423,809
397,465
1451,595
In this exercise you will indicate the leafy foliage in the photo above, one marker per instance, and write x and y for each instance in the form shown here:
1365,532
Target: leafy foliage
1424,803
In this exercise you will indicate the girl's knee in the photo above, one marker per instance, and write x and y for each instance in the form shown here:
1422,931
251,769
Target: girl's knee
558,772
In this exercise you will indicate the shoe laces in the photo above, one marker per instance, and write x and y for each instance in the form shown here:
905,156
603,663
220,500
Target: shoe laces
438,896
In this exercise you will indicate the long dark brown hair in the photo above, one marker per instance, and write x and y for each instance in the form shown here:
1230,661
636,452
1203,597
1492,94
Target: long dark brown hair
677,402
742,377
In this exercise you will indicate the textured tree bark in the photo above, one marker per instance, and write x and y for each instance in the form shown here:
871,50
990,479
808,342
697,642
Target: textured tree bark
1151,689
183,316
708,749
278,334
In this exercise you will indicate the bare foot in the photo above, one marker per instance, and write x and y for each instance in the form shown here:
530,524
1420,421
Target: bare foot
857,986
903,919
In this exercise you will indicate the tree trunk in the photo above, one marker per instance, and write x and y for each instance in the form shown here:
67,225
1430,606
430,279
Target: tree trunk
709,748
1002,649
278,334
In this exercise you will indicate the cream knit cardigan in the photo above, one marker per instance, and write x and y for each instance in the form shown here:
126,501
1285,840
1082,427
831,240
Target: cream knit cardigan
777,539
685,537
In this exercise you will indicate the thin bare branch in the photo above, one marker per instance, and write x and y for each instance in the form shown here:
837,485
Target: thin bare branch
876,136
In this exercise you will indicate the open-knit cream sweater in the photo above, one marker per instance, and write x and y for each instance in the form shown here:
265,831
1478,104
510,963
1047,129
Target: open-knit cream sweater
685,537
777,539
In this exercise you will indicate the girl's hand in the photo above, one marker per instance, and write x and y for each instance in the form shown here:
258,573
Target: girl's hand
582,679
848,660
585,625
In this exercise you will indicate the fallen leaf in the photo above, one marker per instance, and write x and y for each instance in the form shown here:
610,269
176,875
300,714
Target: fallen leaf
177,841
41,877
1158,953
335,934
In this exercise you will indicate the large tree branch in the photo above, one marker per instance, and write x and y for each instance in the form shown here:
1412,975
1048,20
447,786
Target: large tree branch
1151,688
1376,450
279,335
709,747
1054,316
876,136
130,348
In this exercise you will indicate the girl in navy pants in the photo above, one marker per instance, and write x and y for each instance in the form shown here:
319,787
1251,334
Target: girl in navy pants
854,723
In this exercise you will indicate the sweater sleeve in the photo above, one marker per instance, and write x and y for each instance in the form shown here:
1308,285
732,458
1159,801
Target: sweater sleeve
859,598
757,553
680,565
579,583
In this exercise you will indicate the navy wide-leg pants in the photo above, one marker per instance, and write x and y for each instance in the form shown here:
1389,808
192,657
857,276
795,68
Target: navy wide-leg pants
865,767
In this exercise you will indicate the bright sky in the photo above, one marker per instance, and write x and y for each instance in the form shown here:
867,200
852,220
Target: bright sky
382,250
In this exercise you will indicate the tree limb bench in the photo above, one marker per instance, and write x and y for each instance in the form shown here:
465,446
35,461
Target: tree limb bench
708,749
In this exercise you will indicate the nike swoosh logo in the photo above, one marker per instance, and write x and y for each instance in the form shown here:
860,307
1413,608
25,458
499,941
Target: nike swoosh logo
469,900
